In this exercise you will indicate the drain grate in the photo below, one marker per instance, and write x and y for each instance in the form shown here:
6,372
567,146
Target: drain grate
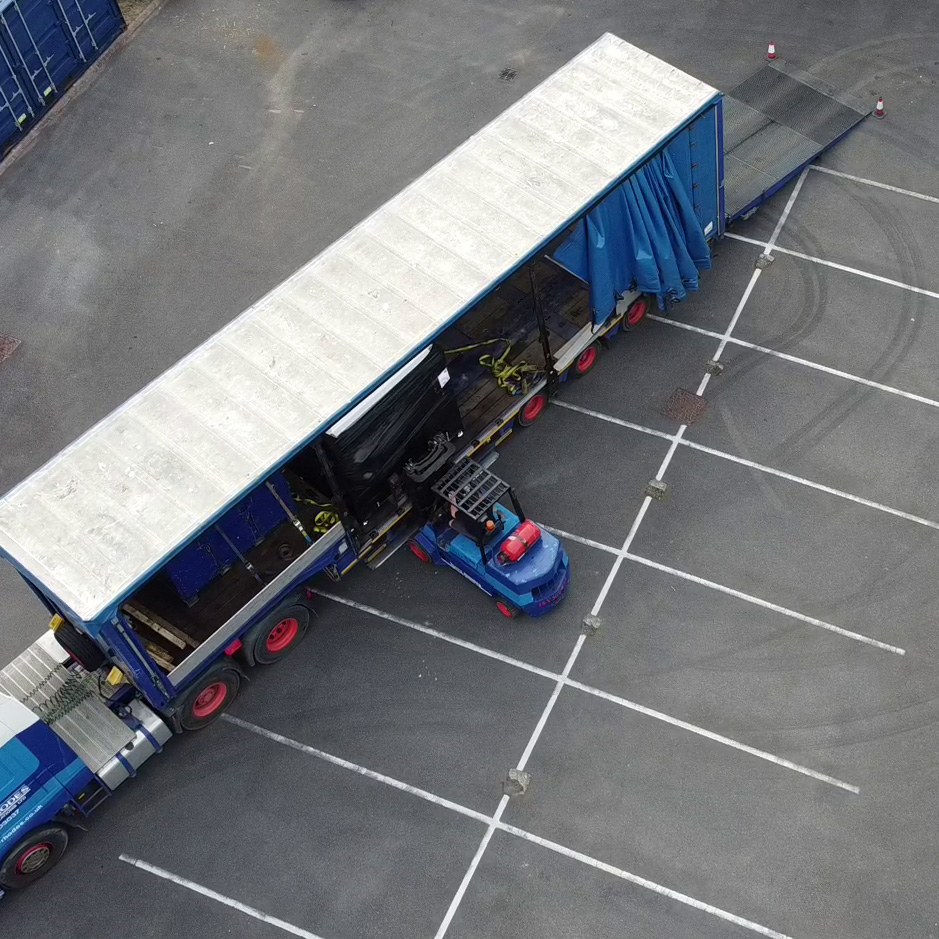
508,73
7,346
684,406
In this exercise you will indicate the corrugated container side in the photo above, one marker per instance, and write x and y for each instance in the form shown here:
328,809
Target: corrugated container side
44,46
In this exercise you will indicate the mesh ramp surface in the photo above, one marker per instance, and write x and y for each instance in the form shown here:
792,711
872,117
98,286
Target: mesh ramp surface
775,122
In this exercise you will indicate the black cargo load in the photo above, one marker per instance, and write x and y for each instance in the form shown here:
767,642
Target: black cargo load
396,429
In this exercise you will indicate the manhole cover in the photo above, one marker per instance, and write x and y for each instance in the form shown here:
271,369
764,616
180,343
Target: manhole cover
684,406
507,74
7,346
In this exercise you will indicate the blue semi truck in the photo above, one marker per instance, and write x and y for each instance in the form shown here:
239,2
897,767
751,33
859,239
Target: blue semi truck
356,409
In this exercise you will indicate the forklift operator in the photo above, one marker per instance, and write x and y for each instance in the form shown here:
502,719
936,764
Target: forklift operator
476,530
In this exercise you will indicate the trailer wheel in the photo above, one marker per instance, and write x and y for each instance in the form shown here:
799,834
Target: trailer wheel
532,409
636,313
419,552
586,360
33,857
278,633
509,610
79,646
209,698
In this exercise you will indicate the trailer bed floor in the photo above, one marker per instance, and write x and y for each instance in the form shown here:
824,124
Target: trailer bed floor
775,122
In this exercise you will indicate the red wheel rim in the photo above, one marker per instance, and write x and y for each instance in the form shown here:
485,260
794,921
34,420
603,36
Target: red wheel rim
419,552
586,359
283,634
637,312
35,857
505,609
534,407
210,699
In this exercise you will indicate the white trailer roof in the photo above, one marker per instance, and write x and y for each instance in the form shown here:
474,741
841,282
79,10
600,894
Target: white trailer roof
112,507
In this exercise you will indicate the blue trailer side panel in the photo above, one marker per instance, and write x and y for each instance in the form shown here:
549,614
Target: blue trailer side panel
696,152
651,233
210,555
44,46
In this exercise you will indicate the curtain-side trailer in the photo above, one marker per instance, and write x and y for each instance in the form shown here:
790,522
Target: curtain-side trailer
172,544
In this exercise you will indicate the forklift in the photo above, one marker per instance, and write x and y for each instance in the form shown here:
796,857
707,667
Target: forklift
468,528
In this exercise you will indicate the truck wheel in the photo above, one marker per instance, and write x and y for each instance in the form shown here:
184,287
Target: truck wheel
636,313
532,409
278,633
586,360
79,646
33,857
209,698
419,552
507,609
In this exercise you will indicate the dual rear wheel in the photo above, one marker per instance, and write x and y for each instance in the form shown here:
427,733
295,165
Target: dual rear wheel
267,642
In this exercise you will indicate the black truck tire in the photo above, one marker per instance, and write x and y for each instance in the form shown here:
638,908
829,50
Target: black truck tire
209,697
79,646
270,639
33,857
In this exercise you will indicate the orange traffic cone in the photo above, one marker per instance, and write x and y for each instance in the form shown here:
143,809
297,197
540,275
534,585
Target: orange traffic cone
771,51
879,110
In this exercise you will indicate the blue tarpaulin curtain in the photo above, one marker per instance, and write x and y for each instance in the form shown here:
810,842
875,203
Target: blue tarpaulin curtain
643,236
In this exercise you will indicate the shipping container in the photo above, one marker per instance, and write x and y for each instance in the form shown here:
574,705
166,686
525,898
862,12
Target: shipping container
45,45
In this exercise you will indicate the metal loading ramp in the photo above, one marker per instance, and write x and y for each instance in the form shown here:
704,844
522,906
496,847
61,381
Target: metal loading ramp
775,122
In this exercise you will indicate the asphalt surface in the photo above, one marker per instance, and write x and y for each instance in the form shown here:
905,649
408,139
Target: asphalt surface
699,778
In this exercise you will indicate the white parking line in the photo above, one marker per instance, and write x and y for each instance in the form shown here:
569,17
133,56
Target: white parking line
838,267
751,464
219,898
625,548
754,277
710,735
932,402
494,823
808,483
437,634
874,183
355,768
504,801
471,870
564,679
790,202
588,542
730,591
766,604
646,883
740,595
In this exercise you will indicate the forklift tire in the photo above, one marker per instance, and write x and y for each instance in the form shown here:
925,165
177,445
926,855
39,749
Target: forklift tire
586,360
509,610
532,409
79,646
277,634
33,857
209,697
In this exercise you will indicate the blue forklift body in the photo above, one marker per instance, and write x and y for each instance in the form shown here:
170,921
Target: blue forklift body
535,584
